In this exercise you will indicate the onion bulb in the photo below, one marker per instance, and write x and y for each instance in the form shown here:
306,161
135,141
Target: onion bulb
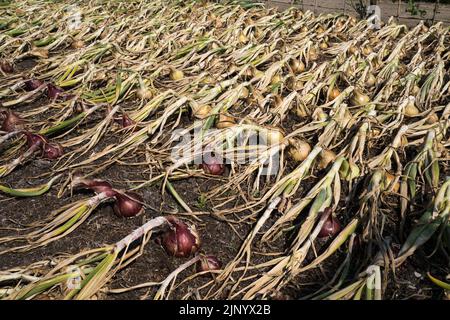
243,38
334,93
323,45
297,66
300,111
202,111
6,67
330,227
359,99
299,149
176,75
389,178
276,79
370,80
208,263
353,50
52,151
77,44
366,50
12,122
39,52
144,93
225,121
411,109
181,240
326,157
213,166
53,91
274,136
313,55
415,90
432,118
96,185
244,93
320,29
128,204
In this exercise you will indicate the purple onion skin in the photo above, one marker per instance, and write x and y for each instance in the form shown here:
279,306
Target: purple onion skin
208,263
6,67
12,122
127,121
330,228
35,139
53,91
52,151
33,84
213,167
128,204
180,241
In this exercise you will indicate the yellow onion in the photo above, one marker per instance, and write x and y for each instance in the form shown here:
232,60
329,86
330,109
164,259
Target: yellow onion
432,118
299,149
300,111
359,99
297,66
326,157
276,79
203,111
243,38
323,45
320,29
334,93
353,50
176,75
225,121
319,115
411,109
415,90
366,50
389,178
274,136
77,44
181,240
304,29
244,93
144,93
370,80
313,55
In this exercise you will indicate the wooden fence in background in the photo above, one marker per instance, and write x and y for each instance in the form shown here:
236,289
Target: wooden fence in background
399,9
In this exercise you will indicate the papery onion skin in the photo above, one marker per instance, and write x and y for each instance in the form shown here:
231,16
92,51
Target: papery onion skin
181,240
6,67
208,263
12,122
128,204
96,185
33,84
35,139
213,166
52,151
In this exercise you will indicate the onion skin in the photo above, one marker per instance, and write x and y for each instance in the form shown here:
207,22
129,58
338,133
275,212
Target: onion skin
35,139
128,204
213,166
330,227
96,185
52,151
33,84
181,240
127,121
12,122
53,91
6,67
208,263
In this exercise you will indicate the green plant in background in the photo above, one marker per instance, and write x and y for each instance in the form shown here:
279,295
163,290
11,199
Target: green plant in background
414,9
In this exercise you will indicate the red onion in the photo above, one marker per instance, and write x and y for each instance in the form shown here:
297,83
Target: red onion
12,122
181,240
6,67
52,150
331,226
208,263
53,91
213,166
96,185
127,121
33,84
33,139
128,204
